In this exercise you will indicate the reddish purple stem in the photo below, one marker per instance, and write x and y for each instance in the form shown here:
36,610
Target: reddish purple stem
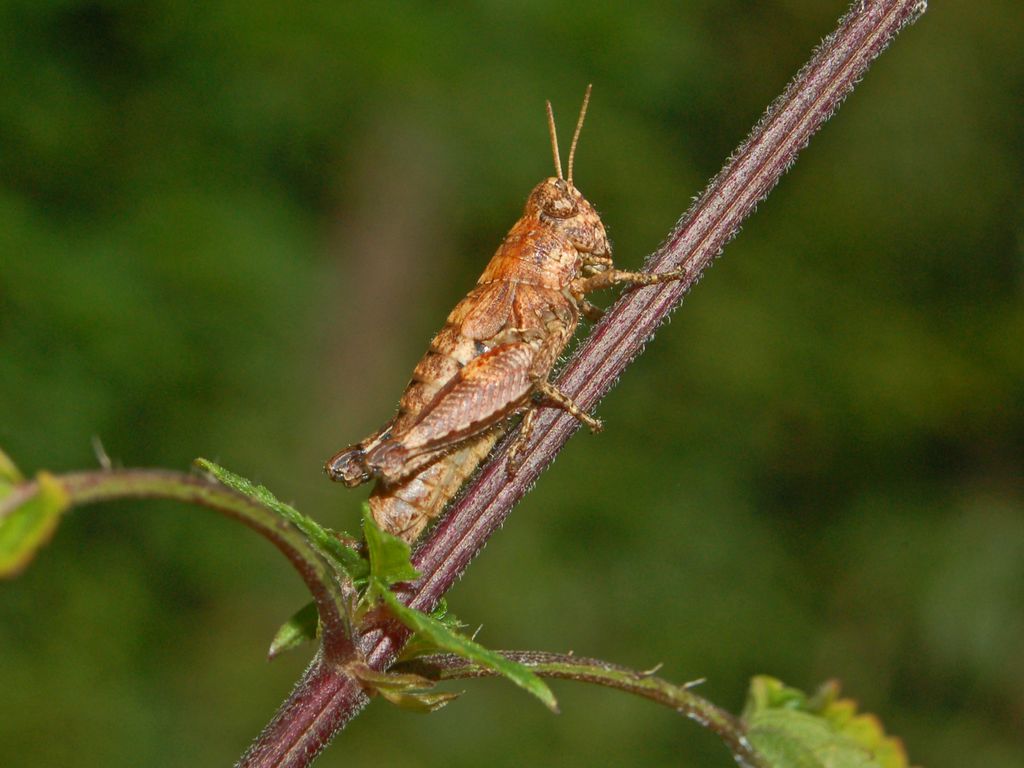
326,699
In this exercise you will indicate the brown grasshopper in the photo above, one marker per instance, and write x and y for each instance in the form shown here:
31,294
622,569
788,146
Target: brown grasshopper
493,358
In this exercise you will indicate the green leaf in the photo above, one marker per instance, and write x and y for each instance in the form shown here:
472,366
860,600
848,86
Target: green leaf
389,557
446,639
348,559
790,729
390,564
419,701
9,474
417,645
403,690
302,627
29,525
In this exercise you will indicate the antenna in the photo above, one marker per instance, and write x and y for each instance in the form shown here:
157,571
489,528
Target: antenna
579,127
554,141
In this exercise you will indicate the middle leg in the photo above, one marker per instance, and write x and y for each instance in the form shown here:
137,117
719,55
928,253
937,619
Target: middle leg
554,396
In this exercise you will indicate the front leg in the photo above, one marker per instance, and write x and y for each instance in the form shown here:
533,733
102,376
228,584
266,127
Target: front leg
612,277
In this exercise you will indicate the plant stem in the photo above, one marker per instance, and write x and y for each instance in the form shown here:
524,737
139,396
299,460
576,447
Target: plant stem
818,89
565,667
697,239
318,575
323,701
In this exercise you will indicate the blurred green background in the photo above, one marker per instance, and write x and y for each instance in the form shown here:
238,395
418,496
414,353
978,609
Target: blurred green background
230,229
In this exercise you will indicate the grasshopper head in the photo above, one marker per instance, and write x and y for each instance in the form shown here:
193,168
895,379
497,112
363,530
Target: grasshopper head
564,209
558,203
556,199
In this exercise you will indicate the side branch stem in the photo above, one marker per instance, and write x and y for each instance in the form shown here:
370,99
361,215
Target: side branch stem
319,576
566,667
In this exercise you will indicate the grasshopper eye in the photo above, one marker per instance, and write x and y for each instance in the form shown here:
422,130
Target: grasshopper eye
560,207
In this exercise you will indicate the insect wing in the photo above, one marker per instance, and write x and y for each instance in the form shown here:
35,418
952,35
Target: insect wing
489,307
483,393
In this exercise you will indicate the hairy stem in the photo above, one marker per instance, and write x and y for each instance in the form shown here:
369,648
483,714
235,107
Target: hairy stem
565,667
318,575
756,166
